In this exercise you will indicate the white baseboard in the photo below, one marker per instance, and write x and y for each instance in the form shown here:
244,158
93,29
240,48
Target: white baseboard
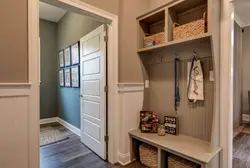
246,117
48,120
71,127
124,159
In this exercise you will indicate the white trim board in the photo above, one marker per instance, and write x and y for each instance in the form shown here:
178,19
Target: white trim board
48,120
124,159
71,127
130,87
67,125
226,83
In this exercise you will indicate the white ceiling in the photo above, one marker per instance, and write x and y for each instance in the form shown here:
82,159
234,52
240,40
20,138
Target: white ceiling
242,12
51,13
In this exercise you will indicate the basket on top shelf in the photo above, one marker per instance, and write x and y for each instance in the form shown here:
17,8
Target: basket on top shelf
158,38
190,29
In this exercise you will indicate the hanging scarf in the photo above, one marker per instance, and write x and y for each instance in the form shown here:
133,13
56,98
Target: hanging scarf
177,89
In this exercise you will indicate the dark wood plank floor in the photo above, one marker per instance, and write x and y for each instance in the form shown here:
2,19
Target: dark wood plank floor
71,153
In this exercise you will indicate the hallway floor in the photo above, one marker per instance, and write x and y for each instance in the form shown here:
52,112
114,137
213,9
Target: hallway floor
241,148
71,153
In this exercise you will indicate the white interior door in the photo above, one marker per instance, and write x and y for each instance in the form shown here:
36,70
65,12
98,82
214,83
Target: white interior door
93,95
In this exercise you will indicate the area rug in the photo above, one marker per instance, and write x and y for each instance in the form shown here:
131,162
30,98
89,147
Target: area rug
53,133
241,151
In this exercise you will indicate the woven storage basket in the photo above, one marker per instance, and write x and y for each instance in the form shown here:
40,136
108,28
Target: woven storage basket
158,38
190,29
148,155
178,162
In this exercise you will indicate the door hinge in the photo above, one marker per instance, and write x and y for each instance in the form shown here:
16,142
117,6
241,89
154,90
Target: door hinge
106,88
105,27
105,38
106,138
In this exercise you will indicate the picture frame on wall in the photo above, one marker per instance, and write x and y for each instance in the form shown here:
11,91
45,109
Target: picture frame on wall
61,77
67,77
67,57
75,76
75,53
61,59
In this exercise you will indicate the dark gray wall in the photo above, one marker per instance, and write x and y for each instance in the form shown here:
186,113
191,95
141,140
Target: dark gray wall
245,69
70,29
237,109
48,88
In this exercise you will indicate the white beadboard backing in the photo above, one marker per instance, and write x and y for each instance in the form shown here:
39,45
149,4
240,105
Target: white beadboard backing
194,120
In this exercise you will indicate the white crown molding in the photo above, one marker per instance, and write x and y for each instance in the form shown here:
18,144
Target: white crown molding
238,20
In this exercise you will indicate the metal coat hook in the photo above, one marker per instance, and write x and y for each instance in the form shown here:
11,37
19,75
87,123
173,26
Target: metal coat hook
195,55
176,56
162,59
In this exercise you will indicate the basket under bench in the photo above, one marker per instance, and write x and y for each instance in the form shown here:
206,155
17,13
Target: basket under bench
186,147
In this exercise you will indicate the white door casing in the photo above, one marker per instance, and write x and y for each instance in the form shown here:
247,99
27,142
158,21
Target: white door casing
93,95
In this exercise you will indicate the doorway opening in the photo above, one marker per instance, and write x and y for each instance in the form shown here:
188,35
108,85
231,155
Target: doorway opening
241,85
74,83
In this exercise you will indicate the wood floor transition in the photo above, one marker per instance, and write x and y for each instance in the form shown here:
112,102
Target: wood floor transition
71,153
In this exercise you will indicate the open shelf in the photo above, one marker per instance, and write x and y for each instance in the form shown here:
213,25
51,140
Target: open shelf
163,21
177,42
186,12
153,24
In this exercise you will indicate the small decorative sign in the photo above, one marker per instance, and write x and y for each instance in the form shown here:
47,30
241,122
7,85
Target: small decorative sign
171,124
148,122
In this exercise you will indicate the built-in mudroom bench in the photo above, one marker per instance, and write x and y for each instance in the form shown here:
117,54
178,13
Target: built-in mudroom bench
192,149
171,40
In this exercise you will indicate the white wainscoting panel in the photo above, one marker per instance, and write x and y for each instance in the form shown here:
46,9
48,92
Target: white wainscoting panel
130,104
14,125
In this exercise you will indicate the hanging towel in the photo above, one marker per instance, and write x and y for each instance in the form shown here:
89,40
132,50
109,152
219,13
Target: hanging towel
195,81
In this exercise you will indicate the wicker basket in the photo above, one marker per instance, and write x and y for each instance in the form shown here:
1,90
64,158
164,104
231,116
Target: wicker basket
190,29
158,38
148,155
178,162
